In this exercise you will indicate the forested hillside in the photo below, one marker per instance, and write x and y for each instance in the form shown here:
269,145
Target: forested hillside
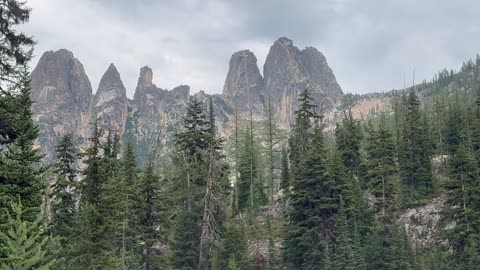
315,196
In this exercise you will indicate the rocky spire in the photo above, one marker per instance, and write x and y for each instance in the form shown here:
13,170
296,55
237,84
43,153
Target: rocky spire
59,79
243,77
243,87
287,71
111,104
62,96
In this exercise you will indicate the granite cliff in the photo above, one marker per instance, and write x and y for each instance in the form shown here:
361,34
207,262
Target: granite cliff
64,101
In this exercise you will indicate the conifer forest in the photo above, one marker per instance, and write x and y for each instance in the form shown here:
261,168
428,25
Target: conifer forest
321,193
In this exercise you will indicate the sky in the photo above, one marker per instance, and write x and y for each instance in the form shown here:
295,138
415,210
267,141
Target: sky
370,45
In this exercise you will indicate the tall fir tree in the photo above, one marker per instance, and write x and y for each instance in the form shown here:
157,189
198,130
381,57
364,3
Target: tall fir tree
348,137
381,166
415,155
24,244
92,248
21,172
64,192
311,210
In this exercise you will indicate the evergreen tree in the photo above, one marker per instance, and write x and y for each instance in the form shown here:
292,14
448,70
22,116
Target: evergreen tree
310,215
201,187
149,209
381,166
64,191
272,133
216,192
20,169
250,185
24,244
232,253
348,137
285,177
462,196
415,155
92,249
344,255
15,47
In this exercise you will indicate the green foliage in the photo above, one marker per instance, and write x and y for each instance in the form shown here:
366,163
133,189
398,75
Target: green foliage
381,166
232,253
415,155
310,215
20,169
348,137
65,194
24,244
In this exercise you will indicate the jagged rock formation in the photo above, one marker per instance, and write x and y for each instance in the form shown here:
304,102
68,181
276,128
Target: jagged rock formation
64,100
288,71
154,115
243,89
110,102
62,97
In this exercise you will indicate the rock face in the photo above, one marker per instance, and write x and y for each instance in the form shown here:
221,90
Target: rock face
110,102
62,97
154,115
64,102
425,224
243,88
288,71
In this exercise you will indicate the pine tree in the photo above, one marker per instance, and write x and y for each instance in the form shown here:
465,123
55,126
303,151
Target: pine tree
201,172
344,255
24,244
64,191
20,171
233,253
381,166
250,187
310,215
462,195
15,46
285,177
415,155
348,137
92,249
216,192
272,140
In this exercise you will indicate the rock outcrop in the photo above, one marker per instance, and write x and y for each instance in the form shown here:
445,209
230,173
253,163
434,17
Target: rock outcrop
110,102
62,97
288,71
424,224
64,102
243,89
154,115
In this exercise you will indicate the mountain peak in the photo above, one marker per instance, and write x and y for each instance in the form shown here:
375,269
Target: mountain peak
146,77
243,77
111,80
284,41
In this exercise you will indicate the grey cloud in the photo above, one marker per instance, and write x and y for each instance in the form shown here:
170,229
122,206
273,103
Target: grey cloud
369,44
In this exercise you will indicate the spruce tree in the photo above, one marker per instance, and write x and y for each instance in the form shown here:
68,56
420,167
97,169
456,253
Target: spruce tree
310,215
415,155
149,209
348,137
64,191
92,248
24,244
381,166
344,255
285,177
21,174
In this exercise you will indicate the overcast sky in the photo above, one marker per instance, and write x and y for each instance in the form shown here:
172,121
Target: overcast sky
368,44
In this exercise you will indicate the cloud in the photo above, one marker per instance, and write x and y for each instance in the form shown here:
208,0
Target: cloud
369,44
